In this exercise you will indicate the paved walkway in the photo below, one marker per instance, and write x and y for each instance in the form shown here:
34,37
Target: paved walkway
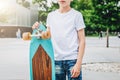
14,58
96,53
91,75
96,50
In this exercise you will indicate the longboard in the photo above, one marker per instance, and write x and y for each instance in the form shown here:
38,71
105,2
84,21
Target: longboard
41,58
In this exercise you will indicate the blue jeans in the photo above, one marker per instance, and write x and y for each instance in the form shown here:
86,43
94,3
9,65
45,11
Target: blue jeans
63,69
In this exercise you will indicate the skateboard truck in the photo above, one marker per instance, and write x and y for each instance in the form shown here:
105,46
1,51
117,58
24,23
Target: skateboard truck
28,35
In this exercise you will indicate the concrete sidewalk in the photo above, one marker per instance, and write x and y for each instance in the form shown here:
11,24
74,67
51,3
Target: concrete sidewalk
14,58
92,75
96,52
101,54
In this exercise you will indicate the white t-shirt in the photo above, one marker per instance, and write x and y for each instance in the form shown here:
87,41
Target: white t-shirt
64,27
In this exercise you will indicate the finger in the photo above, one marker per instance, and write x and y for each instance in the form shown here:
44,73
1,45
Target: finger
72,73
75,75
36,24
33,27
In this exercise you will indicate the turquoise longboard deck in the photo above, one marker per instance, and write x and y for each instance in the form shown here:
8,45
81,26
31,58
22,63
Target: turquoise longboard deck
47,46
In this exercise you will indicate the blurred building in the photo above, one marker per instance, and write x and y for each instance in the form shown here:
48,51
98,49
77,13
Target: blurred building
16,14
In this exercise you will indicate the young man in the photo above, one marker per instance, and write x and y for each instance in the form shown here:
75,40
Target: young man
66,28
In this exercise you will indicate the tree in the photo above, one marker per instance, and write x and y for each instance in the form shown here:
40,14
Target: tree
106,15
86,8
43,9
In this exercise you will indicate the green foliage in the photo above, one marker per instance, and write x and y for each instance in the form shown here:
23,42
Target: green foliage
53,7
43,9
106,14
98,14
42,16
86,8
82,4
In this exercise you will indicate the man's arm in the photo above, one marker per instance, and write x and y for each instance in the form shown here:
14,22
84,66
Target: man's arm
76,69
81,36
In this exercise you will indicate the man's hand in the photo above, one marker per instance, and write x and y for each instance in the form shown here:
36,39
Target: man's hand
44,34
75,72
77,67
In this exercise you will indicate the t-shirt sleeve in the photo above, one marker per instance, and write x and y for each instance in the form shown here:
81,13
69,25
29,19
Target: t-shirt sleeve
79,22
